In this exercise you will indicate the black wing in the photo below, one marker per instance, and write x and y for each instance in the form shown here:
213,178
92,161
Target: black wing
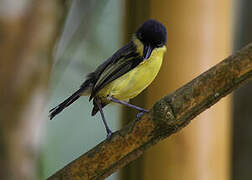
120,63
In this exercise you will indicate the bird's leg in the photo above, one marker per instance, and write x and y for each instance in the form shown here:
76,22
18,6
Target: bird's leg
142,110
98,103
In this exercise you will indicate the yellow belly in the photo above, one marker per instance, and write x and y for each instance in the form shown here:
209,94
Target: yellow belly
135,81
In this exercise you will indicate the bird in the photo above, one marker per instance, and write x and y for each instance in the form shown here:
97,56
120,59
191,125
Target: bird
125,74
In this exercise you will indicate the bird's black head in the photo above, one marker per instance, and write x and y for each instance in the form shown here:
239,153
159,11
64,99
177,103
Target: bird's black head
152,34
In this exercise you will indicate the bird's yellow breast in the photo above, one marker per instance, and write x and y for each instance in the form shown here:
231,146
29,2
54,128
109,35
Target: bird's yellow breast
135,81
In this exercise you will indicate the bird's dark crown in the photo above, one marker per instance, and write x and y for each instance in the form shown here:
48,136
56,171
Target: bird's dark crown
152,32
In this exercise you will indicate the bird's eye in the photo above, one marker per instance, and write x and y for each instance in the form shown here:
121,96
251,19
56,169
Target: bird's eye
140,36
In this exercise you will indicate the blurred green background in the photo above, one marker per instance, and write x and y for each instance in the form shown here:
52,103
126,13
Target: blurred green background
90,36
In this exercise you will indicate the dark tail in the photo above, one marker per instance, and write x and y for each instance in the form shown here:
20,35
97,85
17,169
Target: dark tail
53,112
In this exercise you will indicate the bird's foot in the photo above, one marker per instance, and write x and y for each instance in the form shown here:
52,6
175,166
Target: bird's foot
109,134
141,113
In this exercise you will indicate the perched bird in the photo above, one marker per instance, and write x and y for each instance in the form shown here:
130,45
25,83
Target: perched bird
125,74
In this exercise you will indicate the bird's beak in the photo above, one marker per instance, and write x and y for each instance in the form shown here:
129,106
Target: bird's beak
147,51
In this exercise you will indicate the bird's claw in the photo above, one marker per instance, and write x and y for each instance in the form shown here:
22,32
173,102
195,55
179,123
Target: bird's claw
140,114
109,134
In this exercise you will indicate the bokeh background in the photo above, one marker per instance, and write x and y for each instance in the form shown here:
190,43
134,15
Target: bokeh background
216,145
